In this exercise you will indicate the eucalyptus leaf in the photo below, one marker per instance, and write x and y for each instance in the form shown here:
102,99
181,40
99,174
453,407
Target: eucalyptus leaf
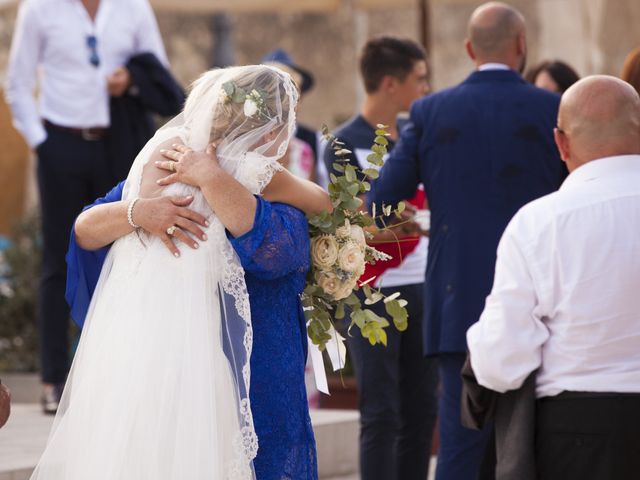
374,298
228,88
371,173
353,189
379,149
358,317
350,173
352,204
375,159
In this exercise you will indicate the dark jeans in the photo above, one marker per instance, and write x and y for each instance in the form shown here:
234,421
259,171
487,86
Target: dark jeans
72,172
584,438
462,450
398,400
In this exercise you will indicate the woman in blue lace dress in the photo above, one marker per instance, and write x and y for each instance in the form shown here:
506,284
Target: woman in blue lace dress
188,367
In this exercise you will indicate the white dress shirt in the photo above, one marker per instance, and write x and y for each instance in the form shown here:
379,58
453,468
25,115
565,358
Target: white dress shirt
493,66
51,37
566,293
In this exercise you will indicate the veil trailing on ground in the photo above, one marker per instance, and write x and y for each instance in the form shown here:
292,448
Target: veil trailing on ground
159,386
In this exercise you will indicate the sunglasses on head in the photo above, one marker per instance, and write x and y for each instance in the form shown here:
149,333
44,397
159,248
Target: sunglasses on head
92,44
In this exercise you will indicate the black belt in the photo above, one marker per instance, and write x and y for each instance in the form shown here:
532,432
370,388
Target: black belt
572,395
90,134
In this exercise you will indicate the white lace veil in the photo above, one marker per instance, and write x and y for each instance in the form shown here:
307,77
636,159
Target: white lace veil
249,112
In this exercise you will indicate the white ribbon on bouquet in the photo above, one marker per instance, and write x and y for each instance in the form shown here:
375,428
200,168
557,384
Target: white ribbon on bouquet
337,352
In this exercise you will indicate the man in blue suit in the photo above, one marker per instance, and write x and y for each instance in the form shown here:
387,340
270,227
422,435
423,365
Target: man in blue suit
482,149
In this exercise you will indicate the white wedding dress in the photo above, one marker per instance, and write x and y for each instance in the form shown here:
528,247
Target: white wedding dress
159,385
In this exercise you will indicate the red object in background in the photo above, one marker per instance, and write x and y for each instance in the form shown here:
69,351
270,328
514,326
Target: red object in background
397,250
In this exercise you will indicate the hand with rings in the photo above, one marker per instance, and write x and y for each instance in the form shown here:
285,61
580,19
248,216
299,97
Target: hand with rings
188,166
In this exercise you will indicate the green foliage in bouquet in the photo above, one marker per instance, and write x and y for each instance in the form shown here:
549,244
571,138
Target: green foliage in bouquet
339,253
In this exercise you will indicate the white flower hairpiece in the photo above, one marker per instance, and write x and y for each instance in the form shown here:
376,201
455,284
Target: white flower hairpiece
253,102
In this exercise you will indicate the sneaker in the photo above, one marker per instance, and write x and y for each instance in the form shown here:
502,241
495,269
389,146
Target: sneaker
51,398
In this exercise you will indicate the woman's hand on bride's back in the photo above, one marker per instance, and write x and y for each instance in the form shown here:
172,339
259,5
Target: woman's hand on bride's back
156,215
188,166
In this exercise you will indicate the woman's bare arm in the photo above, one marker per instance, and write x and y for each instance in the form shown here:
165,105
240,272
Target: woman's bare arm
297,192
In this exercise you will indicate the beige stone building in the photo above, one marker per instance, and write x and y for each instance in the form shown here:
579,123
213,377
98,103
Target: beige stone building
592,35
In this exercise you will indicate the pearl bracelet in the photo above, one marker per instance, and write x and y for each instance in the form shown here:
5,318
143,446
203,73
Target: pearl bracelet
132,204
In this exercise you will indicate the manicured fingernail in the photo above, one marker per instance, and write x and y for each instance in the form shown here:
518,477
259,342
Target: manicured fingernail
158,181
176,254
195,245
189,197
206,223
204,237
162,150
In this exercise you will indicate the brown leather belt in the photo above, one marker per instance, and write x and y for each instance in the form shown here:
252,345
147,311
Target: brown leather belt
90,134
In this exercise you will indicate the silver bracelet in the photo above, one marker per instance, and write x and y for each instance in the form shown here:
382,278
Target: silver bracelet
132,204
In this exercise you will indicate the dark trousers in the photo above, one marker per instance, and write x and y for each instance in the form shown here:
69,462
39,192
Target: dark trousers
398,401
462,450
588,438
72,172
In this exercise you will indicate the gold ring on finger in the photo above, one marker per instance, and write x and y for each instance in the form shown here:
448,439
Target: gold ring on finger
172,166
171,230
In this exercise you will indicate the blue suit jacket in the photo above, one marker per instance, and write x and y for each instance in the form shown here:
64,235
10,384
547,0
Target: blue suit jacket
482,150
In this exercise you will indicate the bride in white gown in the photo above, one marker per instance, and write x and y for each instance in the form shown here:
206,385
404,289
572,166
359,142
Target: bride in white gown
159,384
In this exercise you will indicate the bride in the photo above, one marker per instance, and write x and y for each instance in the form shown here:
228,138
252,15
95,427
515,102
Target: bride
193,367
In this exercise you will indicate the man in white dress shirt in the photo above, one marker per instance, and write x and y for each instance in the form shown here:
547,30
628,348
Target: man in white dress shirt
566,298
79,47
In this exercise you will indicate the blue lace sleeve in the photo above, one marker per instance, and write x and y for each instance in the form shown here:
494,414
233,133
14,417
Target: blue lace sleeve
84,266
278,243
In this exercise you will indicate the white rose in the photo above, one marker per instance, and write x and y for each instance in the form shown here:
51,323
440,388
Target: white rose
345,289
357,233
329,282
250,107
351,257
345,230
324,251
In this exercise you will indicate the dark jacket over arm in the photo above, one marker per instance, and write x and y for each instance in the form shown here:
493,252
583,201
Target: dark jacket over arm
153,91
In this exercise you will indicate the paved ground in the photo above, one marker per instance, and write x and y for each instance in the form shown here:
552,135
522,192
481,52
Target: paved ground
22,440
24,437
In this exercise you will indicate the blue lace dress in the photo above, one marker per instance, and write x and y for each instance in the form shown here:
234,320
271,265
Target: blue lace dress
275,256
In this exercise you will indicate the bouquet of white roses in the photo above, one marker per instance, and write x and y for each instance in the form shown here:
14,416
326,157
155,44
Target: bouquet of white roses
339,254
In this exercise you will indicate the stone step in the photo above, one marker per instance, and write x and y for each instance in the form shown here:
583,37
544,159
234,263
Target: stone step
336,434
23,439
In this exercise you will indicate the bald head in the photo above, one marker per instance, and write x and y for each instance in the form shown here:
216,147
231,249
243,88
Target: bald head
494,31
600,116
